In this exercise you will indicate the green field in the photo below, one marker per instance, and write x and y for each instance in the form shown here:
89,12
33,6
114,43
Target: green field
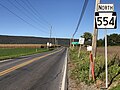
8,53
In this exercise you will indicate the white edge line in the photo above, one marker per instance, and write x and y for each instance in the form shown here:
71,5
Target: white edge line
64,73
6,60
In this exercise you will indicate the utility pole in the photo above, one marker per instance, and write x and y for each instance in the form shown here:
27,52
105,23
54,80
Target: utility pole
95,34
71,40
94,39
55,42
50,34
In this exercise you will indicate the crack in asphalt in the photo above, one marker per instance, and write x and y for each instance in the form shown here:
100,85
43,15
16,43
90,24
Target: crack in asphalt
52,79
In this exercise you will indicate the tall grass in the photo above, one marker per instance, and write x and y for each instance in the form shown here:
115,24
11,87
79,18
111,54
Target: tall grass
80,71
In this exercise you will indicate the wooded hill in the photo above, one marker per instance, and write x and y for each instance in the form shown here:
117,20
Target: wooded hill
32,40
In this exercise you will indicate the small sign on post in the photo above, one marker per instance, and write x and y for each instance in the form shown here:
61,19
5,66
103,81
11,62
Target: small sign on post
91,70
48,44
89,48
81,42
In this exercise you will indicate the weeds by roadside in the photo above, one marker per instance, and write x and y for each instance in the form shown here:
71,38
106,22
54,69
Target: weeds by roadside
80,70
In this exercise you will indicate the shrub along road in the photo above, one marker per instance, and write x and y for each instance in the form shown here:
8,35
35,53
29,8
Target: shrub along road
79,69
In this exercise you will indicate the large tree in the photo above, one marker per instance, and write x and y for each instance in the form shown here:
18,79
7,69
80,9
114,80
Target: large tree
88,38
113,39
100,42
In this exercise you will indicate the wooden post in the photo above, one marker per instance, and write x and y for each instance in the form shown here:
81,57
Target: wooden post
50,41
95,34
94,39
70,43
79,51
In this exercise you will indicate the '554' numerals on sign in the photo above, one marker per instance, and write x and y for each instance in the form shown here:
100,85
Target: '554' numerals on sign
105,20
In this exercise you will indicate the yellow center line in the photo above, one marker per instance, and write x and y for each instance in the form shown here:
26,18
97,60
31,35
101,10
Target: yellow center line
24,64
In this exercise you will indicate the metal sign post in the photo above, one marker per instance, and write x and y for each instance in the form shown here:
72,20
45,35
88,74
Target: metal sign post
106,68
79,51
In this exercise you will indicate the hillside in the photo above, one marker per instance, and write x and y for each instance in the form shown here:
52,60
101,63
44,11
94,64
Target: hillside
32,40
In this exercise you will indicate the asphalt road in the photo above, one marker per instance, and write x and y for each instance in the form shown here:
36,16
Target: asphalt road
34,72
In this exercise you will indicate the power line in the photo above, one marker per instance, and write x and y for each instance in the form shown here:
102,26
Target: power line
23,12
35,12
32,11
38,13
28,11
21,18
81,16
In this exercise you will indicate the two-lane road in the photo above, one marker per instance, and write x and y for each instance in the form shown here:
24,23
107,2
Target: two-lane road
43,71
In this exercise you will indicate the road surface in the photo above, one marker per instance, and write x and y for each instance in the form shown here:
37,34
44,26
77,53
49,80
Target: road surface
43,71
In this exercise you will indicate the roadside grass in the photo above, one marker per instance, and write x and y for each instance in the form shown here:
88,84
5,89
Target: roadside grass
116,88
80,70
9,53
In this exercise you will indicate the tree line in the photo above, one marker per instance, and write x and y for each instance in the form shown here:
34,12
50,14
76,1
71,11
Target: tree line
112,39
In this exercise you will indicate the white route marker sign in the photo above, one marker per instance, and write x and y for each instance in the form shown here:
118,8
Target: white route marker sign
48,44
105,20
81,40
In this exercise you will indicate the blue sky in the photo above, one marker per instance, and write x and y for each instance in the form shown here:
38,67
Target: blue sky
63,15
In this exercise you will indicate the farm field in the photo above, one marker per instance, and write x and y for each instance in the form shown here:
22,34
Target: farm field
112,51
22,45
8,53
79,68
